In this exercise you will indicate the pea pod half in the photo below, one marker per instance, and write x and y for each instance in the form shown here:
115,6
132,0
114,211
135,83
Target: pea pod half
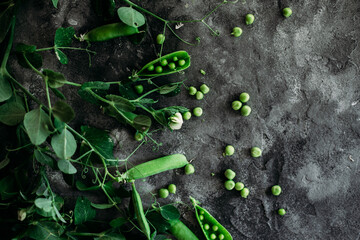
139,212
211,228
109,31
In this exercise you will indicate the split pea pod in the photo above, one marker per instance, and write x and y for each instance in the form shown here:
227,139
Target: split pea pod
179,230
139,212
211,228
155,166
109,31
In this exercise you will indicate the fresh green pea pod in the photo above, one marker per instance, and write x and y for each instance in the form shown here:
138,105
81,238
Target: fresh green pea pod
155,166
139,212
181,55
179,230
204,217
109,31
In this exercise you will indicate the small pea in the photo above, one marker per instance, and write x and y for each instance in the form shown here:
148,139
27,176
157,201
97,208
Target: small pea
239,186
163,62
202,212
163,193
281,212
276,190
249,19
160,38
256,152
287,12
215,228
204,89
172,66
236,32
186,115
221,236
245,111
172,188
213,236
151,68
181,62
229,150
197,111
206,226
202,72
244,192
236,105
201,217
229,185
192,91
229,174
175,59
199,95
139,89
158,69
189,169
138,136
244,97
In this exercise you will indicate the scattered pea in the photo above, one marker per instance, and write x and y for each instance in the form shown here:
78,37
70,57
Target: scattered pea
256,152
204,89
212,236
197,111
215,228
229,150
189,169
281,212
206,226
199,95
151,68
221,236
139,88
201,217
236,105
244,97
163,193
245,110
244,192
229,185
163,62
229,174
186,115
236,32
202,72
160,38
172,66
172,188
287,12
239,186
276,190
175,59
138,136
158,69
181,62
249,19
192,91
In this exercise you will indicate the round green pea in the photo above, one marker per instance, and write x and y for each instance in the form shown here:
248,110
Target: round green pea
201,217
276,190
138,136
256,152
281,212
186,115
163,62
212,236
204,89
229,174
245,111
236,105
189,169
221,236
206,226
229,150
181,62
236,32
202,212
175,59
139,89
249,19
160,38
229,185
192,91
215,228
151,68
197,111
199,95
244,97
158,69
172,66
172,188
163,193
239,186
287,12
244,192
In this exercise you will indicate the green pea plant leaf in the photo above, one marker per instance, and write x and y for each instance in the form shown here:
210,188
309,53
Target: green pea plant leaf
64,144
83,211
66,167
43,158
63,38
27,54
55,3
54,79
36,123
45,230
169,212
131,17
5,87
5,19
63,111
12,113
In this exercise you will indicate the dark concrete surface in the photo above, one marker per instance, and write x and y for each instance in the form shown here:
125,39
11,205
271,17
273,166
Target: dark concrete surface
303,78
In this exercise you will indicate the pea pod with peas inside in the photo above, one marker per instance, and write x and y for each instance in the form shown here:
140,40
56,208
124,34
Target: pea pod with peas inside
139,212
211,228
109,31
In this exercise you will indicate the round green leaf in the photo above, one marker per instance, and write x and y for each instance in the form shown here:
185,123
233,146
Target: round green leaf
66,167
12,113
131,17
63,111
36,123
169,212
64,144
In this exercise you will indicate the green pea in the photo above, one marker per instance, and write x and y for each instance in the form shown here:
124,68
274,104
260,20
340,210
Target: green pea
175,59
202,212
192,91
138,136
189,169
215,228
163,62
201,217
186,115
244,97
204,89
245,111
236,32
287,12
244,192
256,152
229,150
160,38
181,62
206,226
276,190
281,212
172,188
229,174
212,236
199,95
163,193
221,236
151,68
172,66
158,69
229,185
197,111
236,105
249,19
239,186
139,89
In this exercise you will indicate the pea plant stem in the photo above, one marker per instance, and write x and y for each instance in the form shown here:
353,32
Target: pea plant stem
9,46
70,48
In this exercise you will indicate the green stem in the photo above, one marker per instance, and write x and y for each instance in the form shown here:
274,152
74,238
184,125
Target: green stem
32,67
178,37
9,46
48,97
214,32
71,48
162,44
211,12
19,148
73,84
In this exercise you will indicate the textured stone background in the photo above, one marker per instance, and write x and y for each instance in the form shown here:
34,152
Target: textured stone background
303,77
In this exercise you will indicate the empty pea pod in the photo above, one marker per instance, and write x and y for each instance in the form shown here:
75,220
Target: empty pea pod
216,229
109,31
139,212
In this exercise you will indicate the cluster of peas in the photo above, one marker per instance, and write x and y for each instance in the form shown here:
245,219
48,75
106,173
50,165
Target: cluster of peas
245,110
164,62
239,186
276,190
198,111
214,228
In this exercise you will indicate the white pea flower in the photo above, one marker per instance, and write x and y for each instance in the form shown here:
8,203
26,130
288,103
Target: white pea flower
176,121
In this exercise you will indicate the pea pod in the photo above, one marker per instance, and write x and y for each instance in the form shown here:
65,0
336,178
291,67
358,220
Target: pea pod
139,212
154,167
109,31
209,225
179,230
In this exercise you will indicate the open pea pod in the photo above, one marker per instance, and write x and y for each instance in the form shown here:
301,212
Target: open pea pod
175,62
211,228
